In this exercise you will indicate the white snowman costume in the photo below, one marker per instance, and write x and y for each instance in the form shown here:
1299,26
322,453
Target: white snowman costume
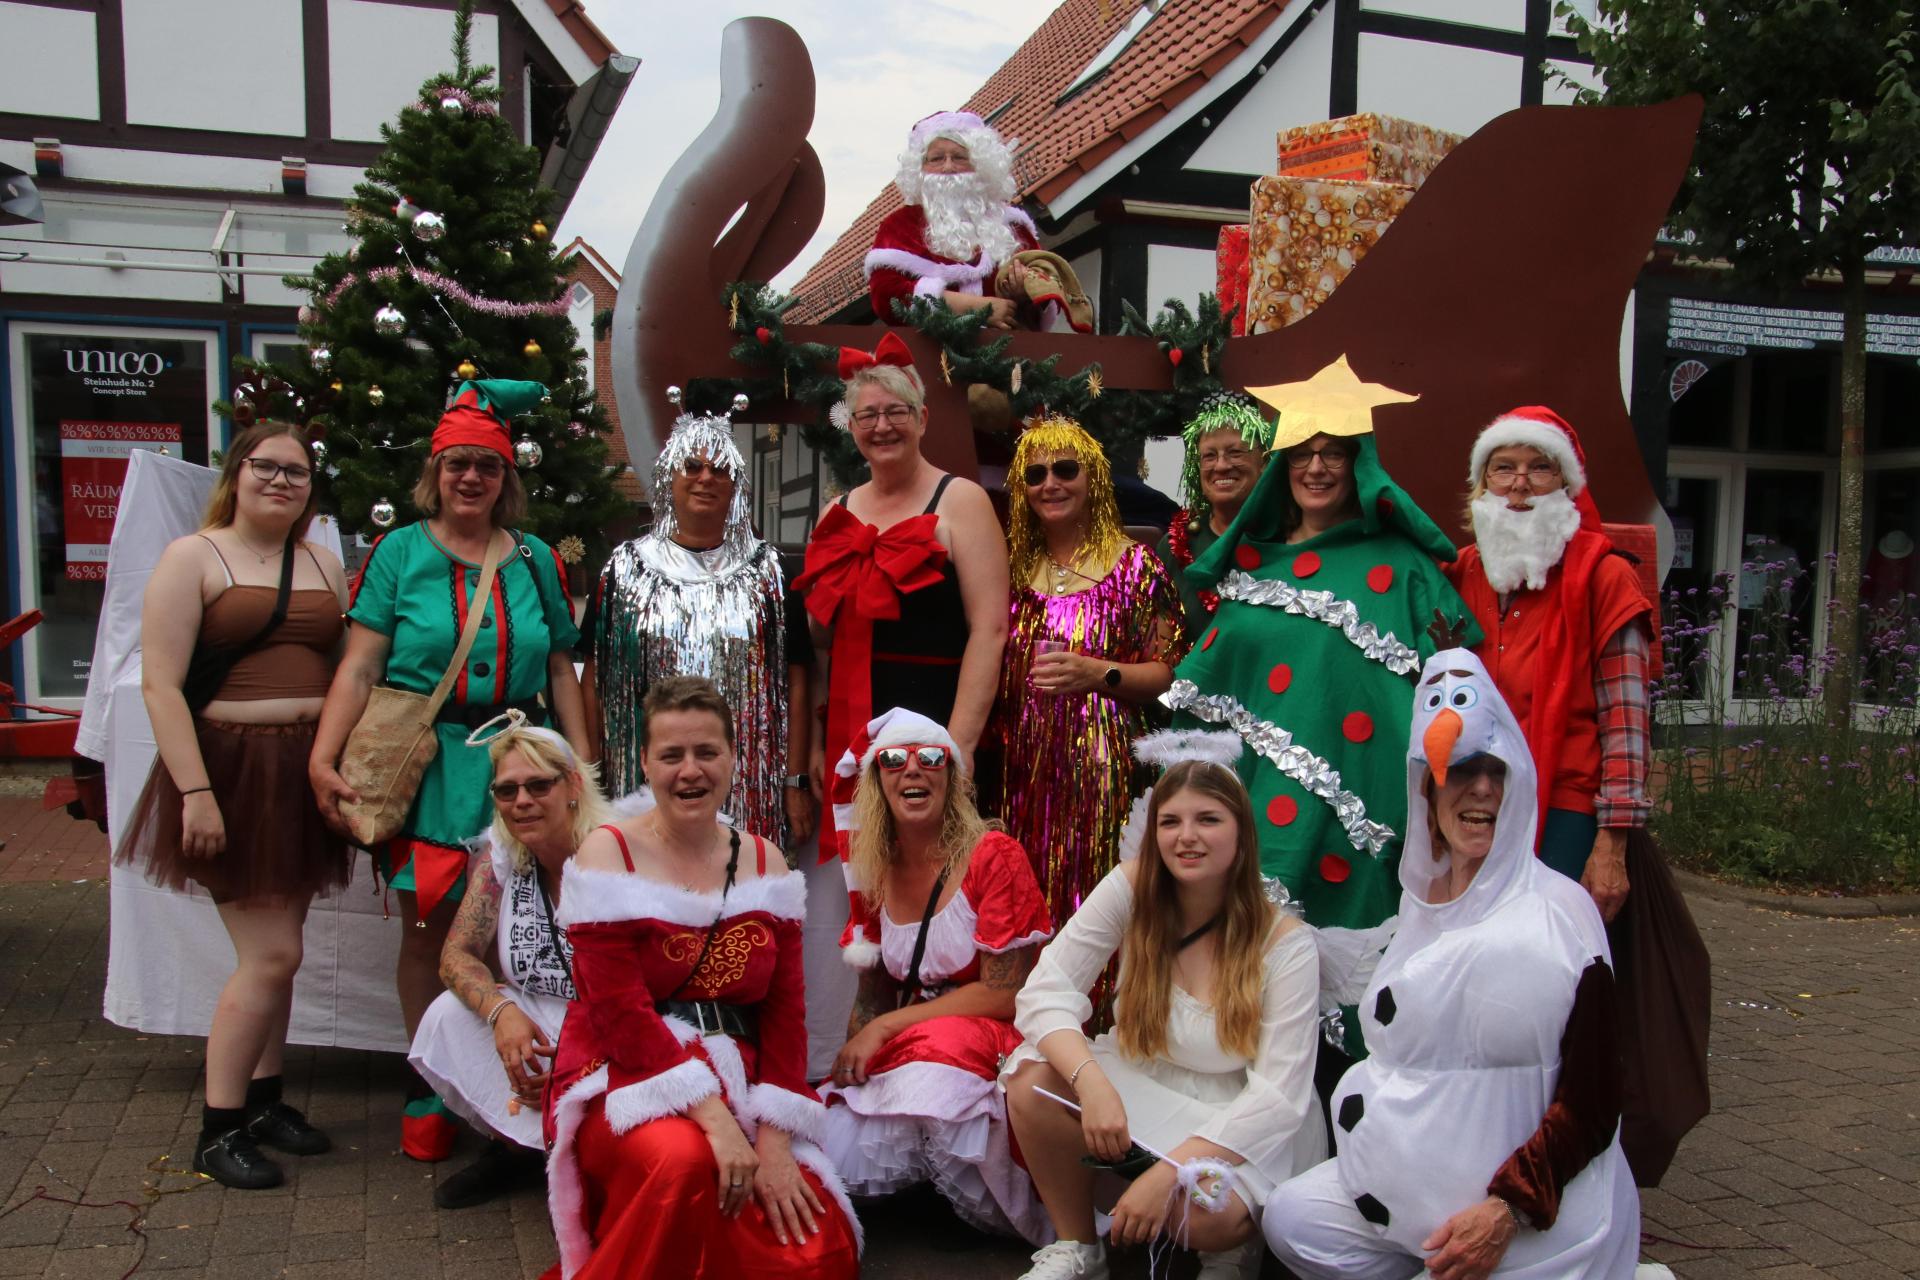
1489,1022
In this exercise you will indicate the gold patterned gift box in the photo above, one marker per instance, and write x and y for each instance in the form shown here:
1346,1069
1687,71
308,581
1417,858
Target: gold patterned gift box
1364,148
1306,236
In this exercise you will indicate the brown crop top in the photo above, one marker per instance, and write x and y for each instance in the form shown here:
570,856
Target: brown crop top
297,659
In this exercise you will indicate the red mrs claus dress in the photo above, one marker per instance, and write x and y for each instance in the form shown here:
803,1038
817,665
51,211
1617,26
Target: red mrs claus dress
632,1183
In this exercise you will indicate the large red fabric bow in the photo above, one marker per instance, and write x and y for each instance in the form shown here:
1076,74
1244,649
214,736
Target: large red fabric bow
855,575
891,350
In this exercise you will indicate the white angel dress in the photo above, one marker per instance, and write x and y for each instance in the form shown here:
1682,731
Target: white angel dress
1489,1025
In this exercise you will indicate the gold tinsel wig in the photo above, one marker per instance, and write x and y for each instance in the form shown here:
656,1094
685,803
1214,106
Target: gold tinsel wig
1055,435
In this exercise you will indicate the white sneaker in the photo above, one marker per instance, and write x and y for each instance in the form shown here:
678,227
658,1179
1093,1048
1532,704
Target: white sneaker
1069,1260
1233,1264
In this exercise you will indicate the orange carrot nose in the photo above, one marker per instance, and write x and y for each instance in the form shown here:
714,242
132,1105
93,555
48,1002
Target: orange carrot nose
1442,733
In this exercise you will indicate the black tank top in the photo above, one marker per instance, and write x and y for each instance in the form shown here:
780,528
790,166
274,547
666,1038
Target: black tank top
916,658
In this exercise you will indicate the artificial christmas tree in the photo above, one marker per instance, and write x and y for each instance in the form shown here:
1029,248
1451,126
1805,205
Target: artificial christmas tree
453,276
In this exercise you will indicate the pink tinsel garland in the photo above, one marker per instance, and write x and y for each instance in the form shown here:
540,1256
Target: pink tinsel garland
453,289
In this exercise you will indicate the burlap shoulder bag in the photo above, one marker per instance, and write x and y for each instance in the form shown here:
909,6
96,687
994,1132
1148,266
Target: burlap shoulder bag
390,748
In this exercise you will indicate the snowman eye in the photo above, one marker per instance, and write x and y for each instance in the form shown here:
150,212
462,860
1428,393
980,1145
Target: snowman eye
1433,700
1464,697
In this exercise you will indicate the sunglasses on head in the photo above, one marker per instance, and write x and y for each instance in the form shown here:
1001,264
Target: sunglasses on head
538,788
1063,469
894,759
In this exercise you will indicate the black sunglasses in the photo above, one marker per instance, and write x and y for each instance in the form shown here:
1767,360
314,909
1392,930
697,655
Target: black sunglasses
1063,469
504,792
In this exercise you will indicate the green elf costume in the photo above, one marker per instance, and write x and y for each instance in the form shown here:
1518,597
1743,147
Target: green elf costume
1310,658
418,594
1192,531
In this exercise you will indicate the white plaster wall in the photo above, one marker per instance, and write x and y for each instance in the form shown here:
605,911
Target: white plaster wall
1440,85
1295,91
171,169
232,65
1087,267
580,312
52,68
1175,272
382,53
1508,14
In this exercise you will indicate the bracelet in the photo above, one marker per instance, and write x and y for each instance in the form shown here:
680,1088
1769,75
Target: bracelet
1084,1064
190,791
1513,1214
499,1009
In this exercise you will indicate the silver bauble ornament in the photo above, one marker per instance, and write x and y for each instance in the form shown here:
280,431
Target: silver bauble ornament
546,397
429,226
319,448
375,396
383,514
527,452
390,321
740,403
673,395
320,358
452,105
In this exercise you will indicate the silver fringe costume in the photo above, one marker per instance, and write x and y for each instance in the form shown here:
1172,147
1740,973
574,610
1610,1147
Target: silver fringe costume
665,610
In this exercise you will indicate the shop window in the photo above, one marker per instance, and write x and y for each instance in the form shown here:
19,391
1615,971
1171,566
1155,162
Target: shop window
1693,505
1890,589
1893,404
1793,399
1777,581
89,398
1702,418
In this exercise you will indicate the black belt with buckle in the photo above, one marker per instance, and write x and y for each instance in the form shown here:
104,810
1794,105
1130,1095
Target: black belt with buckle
475,714
712,1017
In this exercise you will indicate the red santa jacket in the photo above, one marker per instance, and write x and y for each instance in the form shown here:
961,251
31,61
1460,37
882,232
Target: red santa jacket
901,265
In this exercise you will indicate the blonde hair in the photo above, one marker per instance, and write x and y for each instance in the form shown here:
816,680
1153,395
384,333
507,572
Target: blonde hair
874,841
901,380
1150,945
225,498
548,752
508,509
1060,436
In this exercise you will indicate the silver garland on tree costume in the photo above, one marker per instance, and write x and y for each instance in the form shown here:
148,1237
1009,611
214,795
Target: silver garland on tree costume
666,610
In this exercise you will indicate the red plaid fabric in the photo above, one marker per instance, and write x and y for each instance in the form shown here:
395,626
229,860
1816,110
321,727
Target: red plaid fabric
1623,710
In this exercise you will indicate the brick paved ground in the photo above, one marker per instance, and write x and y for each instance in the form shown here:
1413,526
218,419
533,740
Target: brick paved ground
1809,1167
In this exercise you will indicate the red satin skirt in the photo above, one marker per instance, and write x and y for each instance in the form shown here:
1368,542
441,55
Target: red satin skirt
653,1206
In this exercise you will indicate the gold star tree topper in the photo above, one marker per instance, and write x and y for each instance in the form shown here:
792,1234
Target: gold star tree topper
1332,402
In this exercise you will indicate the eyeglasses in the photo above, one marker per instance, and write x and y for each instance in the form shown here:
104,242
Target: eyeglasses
897,415
1064,469
1225,457
1332,456
1504,475
487,468
504,792
894,759
265,469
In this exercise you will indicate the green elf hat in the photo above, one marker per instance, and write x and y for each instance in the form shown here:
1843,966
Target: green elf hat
481,411
1222,409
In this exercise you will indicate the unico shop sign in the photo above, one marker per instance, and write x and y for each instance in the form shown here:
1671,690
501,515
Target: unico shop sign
93,466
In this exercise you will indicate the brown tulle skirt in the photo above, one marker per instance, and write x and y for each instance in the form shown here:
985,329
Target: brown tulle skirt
278,848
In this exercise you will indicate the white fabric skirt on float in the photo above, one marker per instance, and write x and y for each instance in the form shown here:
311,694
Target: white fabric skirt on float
454,1051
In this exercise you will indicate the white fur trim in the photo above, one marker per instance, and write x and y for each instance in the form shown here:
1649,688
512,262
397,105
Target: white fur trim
606,897
667,1094
840,415
1534,434
863,953
924,268
1169,747
566,1199
787,1111
898,727
1018,217
1032,939
634,804
809,1156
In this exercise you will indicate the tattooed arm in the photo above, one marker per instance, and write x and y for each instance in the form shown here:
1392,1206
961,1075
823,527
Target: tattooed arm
877,993
463,960
875,1021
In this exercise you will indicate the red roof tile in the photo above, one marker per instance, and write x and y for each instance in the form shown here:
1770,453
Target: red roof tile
1186,44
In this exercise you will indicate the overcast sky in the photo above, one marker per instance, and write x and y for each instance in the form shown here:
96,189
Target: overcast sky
879,65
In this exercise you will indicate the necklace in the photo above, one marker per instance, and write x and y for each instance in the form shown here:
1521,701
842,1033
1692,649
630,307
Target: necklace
666,843
255,551
1071,569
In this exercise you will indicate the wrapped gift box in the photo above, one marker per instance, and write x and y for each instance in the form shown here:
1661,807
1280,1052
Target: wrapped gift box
1230,273
1364,148
1306,235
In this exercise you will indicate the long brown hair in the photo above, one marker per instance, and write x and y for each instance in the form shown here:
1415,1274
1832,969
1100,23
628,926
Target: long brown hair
225,498
1145,995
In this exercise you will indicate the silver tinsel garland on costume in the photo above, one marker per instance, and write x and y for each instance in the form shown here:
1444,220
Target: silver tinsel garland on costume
1324,606
1277,747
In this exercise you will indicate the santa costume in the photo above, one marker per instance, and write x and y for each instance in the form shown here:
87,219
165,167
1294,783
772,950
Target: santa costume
1490,1025
1567,639
931,1109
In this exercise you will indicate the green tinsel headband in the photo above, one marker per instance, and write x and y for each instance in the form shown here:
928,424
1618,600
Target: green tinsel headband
1221,410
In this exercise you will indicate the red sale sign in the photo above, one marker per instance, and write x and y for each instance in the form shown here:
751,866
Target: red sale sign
93,466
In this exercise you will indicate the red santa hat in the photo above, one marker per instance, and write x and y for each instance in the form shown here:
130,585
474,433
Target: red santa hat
1539,427
899,727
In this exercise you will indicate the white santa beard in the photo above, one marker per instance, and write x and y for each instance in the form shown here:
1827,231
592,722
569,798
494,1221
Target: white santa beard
962,220
1520,547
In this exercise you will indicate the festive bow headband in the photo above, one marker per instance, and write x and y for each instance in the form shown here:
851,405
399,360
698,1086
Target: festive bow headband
891,350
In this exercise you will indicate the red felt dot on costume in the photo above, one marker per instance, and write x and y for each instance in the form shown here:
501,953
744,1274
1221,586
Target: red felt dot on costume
1380,577
1281,810
1208,642
1358,727
1246,557
1306,564
1280,677
1334,869
1384,506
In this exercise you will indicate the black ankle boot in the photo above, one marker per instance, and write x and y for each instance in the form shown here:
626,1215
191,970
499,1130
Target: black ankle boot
234,1160
277,1125
500,1168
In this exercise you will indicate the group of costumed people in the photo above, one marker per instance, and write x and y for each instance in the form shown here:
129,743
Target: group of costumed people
1204,984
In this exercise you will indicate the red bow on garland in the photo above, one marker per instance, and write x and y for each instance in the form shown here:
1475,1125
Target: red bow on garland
855,575
891,350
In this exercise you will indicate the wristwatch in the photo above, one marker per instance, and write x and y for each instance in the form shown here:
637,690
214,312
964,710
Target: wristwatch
799,781
1112,678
